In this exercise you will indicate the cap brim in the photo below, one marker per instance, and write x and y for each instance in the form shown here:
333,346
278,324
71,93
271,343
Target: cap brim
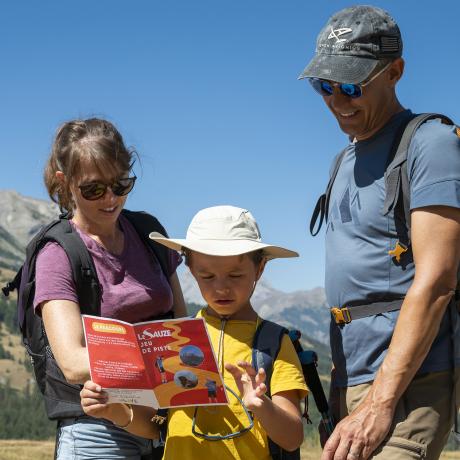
342,69
223,247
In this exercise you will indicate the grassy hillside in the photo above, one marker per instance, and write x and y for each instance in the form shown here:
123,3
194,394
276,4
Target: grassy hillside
33,450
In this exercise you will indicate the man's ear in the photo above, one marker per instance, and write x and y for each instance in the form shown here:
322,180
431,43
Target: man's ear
396,71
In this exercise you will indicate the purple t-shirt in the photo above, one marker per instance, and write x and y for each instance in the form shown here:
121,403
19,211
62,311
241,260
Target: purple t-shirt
134,288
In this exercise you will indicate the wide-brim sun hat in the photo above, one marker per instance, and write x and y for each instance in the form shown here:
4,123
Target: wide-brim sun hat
351,44
223,231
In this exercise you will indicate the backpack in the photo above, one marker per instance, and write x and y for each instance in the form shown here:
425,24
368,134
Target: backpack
265,349
62,400
397,198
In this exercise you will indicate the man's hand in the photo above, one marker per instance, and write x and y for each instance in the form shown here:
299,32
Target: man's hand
250,383
359,434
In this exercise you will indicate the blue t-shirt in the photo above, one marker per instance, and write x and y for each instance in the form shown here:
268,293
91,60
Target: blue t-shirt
358,238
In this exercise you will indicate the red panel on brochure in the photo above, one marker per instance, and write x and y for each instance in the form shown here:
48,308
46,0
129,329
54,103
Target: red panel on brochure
166,363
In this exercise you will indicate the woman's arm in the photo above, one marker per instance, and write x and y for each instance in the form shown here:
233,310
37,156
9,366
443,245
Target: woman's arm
138,422
179,308
64,329
280,416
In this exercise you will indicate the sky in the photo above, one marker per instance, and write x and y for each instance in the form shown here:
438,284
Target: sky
207,93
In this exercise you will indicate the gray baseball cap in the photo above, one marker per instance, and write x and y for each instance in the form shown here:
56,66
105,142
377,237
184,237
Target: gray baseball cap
350,45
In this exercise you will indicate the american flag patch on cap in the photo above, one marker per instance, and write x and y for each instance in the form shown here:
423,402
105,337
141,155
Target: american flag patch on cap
389,44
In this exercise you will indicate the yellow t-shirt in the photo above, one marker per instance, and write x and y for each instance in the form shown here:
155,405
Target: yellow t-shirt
222,420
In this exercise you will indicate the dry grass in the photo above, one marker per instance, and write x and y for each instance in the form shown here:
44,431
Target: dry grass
44,450
26,450
314,453
13,371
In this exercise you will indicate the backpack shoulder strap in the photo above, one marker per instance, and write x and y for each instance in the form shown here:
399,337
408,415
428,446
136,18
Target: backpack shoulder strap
265,349
81,262
144,224
396,176
322,205
266,346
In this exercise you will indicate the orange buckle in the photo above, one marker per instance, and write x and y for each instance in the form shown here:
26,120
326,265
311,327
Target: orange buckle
341,315
398,251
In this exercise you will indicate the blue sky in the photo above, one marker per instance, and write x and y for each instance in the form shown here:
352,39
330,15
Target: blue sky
207,92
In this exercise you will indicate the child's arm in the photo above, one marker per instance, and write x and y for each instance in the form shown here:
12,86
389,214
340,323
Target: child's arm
138,422
280,416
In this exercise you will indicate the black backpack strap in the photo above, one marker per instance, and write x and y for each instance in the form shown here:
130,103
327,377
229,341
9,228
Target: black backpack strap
265,349
24,280
10,286
62,400
83,269
266,346
396,177
322,205
144,224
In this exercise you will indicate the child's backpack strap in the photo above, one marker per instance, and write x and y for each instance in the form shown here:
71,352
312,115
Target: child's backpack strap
266,346
265,349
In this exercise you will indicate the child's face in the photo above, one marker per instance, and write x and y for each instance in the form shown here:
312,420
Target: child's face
226,283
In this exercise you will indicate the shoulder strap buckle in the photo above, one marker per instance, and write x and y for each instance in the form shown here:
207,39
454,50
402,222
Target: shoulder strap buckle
398,250
8,289
341,315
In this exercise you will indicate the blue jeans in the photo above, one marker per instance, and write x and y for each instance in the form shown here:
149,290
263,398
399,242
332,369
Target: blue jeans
91,438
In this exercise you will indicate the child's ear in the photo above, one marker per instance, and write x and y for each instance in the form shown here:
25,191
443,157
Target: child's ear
261,268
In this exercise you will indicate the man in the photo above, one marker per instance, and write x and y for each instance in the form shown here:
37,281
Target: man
393,379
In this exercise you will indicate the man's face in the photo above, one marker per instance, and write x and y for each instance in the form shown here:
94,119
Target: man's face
362,117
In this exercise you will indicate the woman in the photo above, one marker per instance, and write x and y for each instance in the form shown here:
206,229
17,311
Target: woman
89,175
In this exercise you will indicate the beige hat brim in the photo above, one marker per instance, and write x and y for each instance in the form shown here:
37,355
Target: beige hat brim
231,247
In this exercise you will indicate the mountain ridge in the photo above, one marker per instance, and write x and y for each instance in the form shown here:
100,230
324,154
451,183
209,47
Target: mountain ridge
21,217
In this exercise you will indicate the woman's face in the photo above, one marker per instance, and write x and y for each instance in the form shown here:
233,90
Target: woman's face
104,211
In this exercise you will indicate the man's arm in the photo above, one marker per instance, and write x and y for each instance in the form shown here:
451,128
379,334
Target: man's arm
436,249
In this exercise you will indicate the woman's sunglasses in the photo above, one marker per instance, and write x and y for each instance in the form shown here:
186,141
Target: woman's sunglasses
95,190
326,87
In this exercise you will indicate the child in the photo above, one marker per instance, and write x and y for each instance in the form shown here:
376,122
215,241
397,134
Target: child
226,256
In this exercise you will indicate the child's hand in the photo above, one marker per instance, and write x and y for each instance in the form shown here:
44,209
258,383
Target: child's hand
251,384
94,400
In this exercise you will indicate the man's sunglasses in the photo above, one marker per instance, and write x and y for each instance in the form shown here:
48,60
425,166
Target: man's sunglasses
326,87
95,190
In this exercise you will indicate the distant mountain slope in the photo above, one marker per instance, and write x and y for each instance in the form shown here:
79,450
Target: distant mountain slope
21,217
303,310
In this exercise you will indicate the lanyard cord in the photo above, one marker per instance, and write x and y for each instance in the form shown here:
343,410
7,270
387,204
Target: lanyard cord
220,363
220,350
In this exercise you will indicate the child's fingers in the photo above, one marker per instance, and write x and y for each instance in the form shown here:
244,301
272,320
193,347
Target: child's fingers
261,390
261,376
248,368
235,371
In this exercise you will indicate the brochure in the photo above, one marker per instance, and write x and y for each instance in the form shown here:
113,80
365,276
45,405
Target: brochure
166,363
